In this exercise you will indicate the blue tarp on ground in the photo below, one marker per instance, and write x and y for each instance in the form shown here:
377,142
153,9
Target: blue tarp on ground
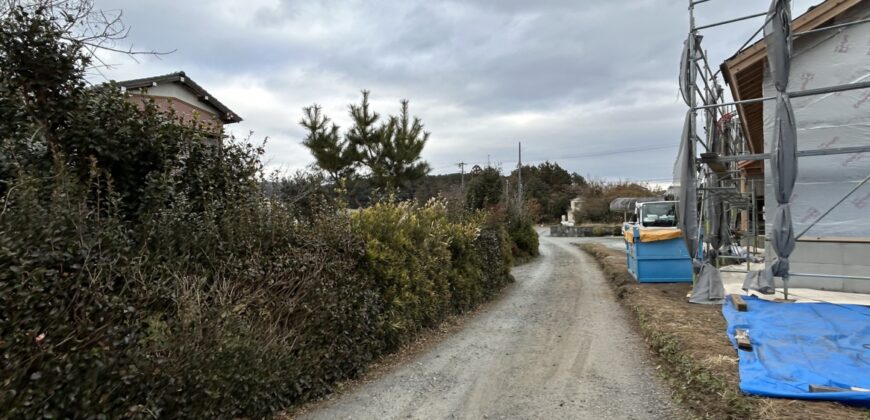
795,345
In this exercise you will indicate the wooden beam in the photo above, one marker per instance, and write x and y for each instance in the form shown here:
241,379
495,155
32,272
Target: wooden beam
739,303
824,388
737,94
742,337
829,10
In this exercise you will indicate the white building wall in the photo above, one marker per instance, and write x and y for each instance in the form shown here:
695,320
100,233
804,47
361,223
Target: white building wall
840,242
175,90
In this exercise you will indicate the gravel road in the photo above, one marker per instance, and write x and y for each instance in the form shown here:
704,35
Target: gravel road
557,346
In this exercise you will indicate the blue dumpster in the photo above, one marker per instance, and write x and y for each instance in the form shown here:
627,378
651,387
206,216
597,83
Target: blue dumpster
657,255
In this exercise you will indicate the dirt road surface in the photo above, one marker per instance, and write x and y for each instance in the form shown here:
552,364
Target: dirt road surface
557,346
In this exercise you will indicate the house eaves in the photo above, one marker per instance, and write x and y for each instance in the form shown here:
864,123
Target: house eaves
226,115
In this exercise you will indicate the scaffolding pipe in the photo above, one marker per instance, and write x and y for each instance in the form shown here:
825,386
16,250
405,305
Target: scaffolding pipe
731,21
800,153
825,276
751,37
798,94
841,25
754,232
754,218
704,79
831,89
830,276
809,92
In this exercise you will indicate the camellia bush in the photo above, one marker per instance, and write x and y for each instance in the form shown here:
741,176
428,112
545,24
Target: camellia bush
427,265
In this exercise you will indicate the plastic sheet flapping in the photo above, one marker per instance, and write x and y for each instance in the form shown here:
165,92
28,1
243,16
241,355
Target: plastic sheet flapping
783,163
690,53
830,346
684,170
708,287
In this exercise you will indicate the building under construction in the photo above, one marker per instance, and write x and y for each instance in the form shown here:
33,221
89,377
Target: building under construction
785,163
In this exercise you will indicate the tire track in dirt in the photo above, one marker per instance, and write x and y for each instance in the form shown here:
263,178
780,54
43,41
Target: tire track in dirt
557,346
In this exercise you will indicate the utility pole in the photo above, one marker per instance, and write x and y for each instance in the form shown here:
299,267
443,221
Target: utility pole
507,192
461,166
520,176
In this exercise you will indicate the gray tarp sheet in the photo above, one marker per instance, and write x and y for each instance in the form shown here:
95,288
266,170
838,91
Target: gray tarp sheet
623,204
684,170
783,162
689,45
708,287
712,114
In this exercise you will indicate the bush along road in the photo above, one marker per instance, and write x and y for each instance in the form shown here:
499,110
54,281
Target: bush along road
556,346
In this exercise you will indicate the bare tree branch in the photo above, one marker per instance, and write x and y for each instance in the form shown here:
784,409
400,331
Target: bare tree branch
80,22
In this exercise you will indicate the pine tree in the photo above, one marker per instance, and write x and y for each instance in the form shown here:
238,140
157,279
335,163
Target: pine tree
334,155
365,138
390,151
402,142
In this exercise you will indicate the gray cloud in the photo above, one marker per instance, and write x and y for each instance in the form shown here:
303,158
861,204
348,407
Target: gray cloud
574,80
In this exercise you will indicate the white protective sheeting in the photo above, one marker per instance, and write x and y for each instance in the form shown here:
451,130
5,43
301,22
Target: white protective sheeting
834,120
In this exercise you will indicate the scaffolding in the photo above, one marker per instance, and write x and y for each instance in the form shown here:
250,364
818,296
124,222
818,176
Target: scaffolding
714,174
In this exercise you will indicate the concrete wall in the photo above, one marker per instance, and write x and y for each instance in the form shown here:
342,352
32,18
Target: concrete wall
584,231
838,258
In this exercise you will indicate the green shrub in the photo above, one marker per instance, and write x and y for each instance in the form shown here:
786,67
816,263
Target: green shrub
523,236
480,260
493,246
68,312
273,313
234,310
220,313
143,273
485,189
426,266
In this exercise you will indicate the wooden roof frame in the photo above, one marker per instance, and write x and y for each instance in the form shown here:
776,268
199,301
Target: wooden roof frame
744,72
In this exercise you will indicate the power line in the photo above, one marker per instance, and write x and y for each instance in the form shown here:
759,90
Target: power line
593,154
616,152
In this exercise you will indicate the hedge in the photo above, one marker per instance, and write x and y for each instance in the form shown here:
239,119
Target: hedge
145,273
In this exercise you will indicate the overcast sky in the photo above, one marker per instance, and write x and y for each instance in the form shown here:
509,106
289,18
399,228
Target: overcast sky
589,84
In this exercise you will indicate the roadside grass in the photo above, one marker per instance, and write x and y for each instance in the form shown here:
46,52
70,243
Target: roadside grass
695,356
